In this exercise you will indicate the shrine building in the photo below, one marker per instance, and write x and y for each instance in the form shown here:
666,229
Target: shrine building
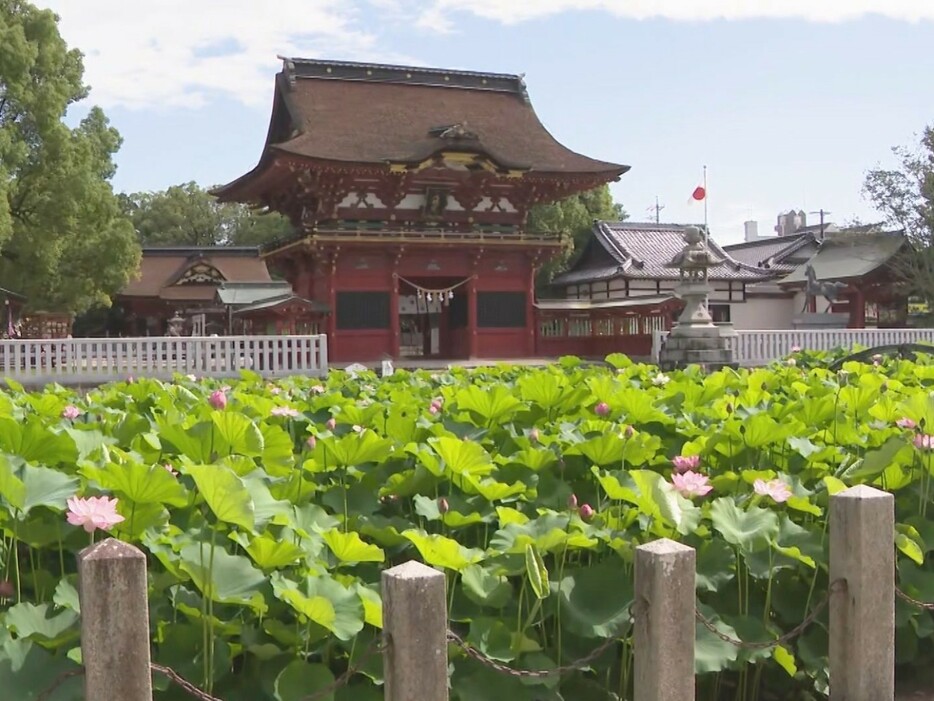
409,190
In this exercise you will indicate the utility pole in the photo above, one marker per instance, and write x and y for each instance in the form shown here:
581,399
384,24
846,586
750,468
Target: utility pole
657,209
822,213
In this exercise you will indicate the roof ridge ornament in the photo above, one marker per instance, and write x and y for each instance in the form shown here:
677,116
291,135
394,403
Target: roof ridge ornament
454,132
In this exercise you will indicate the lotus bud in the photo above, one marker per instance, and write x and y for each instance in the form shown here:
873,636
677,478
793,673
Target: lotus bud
7,590
331,424
533,435
586,512
218,399
311,442
602,409
443,505
629,432
572,502
729,409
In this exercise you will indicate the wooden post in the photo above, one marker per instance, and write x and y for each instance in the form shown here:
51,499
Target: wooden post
112,590
862,616
415,658
472,317
394,329
663,639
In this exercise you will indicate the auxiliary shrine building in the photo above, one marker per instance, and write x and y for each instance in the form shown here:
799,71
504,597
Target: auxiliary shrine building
409,190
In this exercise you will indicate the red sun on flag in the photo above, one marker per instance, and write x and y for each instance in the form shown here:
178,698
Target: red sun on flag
699,193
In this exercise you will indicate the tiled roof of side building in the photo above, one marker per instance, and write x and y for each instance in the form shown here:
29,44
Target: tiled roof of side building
162,267
381,114
643,251
779,253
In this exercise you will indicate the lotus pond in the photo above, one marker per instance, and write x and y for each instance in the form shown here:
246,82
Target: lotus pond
268,511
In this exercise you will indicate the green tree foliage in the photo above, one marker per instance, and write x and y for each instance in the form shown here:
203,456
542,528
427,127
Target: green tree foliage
905,197
573,216
63,240
188,215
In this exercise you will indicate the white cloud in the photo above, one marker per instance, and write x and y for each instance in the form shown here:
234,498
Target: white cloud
172,53
513,11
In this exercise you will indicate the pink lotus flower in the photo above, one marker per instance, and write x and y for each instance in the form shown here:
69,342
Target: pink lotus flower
572,502
218,399
191,378
317,389
602,409
169,469
93,513
691,484
311,442
777,489
792,362
434,409
533,435
283,411
683,463
331,424
923,441
129,380
586,512
905,422
796,349
71,412
275,391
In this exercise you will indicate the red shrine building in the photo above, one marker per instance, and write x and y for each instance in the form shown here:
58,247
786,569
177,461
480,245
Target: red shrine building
409,190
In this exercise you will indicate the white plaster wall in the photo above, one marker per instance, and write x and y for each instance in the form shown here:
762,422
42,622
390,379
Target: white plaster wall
762,313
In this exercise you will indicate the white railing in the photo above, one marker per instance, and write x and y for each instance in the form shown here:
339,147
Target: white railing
96,360
763,347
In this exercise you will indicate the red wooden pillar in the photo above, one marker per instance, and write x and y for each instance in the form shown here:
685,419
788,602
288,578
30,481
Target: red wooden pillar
858,310
472,316
394,348
332,305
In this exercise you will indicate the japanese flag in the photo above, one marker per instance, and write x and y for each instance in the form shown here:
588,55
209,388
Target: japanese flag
699,194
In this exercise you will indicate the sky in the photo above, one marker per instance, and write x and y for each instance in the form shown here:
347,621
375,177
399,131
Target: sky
786,102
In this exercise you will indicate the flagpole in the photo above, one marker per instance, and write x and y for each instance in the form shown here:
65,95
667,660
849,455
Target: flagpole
706,193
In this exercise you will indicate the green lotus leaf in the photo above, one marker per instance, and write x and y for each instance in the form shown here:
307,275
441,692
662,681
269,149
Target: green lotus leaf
372,606
493,405
12,488
236,434
462,457
267,552
41,624
301,679
711,653
194,442
46,487
595,601
323,601
493,638
439,551
225,578
348,547
277,450
486,588
715,564
534,459
89,442
143,484
225,494
748,530
909,547
266,508
352,449
34,442
785,659
490,489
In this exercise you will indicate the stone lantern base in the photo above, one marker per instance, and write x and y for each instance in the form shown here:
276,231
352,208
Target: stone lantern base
695,339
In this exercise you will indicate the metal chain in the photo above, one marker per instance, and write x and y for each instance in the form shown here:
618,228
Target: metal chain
838,585
182,682
473,652
914,602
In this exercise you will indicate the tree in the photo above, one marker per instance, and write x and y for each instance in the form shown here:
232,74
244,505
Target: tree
64,242
188,215
573,216
905,198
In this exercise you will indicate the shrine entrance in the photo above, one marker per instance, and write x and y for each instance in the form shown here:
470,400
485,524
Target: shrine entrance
432,315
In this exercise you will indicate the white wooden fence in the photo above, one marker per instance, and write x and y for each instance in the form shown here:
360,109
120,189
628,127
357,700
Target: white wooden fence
763,347
96,360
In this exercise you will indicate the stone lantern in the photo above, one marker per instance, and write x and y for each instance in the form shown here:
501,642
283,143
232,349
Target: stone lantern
695,339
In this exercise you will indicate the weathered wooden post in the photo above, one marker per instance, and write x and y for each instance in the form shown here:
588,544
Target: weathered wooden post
415,627
663,640
862,616
112,591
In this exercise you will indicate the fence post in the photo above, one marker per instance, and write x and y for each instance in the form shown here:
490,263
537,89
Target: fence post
663,639
862,618
112,591
415,631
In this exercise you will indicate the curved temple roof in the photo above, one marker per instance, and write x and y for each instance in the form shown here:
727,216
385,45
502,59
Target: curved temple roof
379,114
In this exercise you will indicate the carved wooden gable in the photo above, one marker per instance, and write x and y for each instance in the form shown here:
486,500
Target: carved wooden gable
201,273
